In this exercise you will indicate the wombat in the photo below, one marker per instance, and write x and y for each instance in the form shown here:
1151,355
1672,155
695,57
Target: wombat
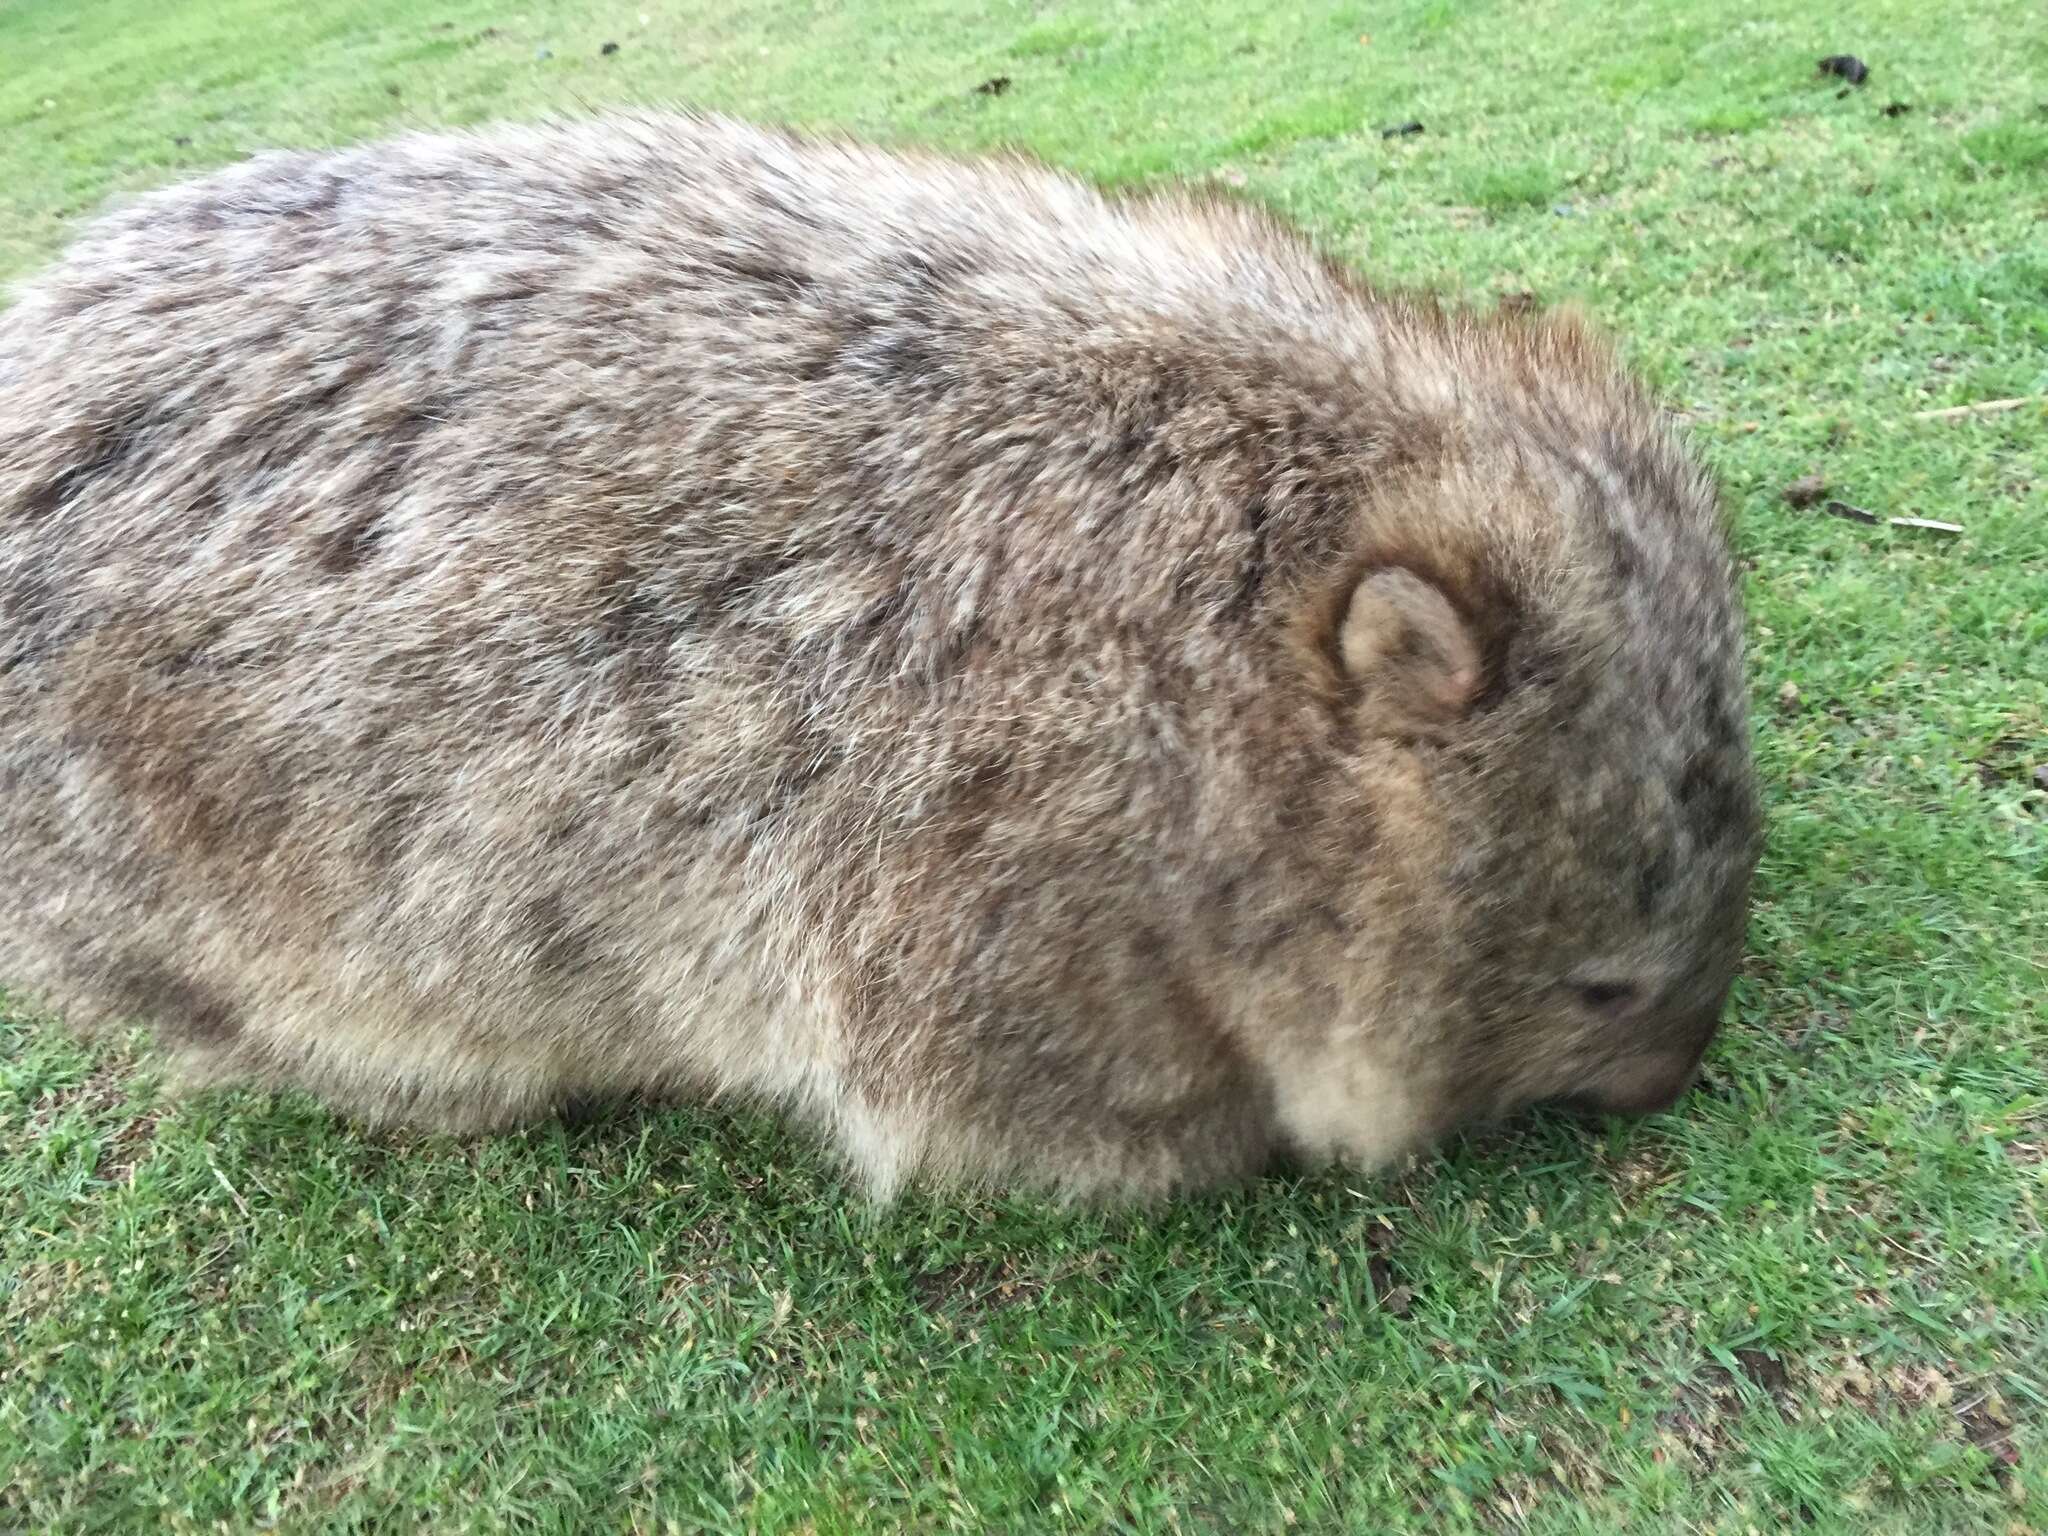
1060,689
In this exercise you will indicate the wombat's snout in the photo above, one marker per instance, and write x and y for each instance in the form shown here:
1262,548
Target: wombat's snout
1637,1093
1675,1032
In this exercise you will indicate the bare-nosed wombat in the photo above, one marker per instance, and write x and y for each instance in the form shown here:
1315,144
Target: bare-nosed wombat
1054,688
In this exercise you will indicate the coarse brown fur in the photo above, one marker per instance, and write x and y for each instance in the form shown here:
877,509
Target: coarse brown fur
1046,687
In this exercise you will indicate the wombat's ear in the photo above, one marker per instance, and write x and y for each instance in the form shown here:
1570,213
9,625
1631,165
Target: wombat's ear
1409,652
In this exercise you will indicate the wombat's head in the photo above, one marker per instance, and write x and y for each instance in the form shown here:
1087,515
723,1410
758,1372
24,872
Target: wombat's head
1542,655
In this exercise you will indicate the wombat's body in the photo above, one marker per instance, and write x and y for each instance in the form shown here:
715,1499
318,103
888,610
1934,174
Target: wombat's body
1047,687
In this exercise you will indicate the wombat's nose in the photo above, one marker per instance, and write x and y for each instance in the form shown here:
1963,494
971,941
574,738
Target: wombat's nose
1660,1035
1651,1093
1648,1090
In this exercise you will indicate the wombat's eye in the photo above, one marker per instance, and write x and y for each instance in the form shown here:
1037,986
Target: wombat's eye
1534,662
1605,996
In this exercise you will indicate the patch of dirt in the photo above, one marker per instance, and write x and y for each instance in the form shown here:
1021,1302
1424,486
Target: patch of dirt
1980,1414
128,1150
1702,1418
1766,1372
1638,1176
1803,1035
1991,1435
100,1090
978,1286
1573,1475
42,1289
1392,1297
2011,760
103,1094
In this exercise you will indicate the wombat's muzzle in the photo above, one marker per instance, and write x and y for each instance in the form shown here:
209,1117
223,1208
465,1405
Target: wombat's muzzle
1652,1096
1648,1084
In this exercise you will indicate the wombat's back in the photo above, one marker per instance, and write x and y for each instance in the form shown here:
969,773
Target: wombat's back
476,607
489,619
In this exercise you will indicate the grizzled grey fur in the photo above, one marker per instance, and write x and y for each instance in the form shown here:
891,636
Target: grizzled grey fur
1043,686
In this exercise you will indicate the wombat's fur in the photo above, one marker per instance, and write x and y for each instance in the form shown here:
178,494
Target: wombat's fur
1053,688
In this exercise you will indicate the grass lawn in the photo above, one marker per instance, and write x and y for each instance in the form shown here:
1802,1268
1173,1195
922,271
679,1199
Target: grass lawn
1816,1298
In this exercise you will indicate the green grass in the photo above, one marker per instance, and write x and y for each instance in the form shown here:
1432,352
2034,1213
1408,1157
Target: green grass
1816,1298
